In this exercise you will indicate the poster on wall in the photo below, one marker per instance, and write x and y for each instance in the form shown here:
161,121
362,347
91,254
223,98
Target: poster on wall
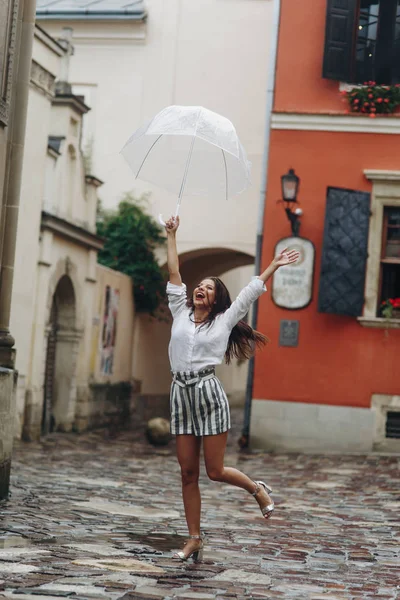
109,330
292,285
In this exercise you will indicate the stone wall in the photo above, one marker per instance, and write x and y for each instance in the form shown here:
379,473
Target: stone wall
105,405
301,427
8,384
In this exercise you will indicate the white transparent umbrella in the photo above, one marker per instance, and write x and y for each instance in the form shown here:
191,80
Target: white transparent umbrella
191,151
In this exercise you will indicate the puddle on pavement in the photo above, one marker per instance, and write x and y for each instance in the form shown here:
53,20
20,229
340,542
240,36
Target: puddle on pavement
14,541
18,541
160,542
129,542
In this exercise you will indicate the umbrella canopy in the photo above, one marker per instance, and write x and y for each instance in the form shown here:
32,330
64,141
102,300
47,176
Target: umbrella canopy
189,150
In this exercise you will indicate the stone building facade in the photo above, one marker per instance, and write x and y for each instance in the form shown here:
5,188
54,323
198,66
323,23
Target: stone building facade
59,289
16,35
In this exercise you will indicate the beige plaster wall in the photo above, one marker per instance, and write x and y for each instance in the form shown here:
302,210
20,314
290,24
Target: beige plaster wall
42,258
69,201
125,323
27,248
104,398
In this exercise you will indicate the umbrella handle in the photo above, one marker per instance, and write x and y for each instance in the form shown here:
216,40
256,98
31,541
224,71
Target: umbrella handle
161,220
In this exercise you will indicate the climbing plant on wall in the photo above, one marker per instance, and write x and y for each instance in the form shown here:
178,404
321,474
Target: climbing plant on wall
131,239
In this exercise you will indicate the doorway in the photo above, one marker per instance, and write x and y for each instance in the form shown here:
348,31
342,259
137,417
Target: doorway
60,367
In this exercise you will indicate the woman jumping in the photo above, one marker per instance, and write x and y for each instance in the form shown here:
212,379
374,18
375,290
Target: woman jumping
208,328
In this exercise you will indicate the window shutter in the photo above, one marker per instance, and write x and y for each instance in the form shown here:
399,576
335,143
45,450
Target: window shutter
344,252
339,39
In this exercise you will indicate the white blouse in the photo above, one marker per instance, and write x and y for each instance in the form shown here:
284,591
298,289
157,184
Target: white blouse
193,348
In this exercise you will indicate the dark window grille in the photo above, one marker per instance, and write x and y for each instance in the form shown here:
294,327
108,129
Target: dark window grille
344,252
393,424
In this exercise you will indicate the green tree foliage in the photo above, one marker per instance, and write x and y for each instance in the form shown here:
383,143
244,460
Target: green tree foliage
131,238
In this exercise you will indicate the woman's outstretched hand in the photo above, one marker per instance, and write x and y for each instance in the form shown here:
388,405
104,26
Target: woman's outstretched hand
281,260
172,225
286,258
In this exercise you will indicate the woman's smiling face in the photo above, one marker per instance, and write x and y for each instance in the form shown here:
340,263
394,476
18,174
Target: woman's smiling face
204,294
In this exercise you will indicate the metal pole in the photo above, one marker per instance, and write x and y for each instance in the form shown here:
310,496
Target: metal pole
178,206
244,440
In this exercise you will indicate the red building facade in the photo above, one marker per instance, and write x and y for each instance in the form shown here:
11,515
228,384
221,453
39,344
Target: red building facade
339,387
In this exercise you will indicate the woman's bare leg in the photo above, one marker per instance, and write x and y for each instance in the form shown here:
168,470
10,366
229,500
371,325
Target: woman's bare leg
214,452
188,453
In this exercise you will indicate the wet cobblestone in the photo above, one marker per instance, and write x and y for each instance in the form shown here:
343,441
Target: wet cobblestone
99,516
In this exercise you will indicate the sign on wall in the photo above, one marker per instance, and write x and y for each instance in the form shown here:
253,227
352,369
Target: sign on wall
289,333
292,285
109,330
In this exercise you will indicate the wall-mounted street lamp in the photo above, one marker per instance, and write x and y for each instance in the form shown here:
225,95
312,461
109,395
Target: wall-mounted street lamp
290,187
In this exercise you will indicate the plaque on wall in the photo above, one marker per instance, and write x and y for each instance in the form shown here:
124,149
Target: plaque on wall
292,285
289,333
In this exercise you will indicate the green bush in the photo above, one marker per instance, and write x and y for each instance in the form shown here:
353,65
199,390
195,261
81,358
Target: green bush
131,238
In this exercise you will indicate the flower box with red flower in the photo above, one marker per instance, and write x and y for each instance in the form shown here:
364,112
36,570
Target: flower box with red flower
373,99
390,308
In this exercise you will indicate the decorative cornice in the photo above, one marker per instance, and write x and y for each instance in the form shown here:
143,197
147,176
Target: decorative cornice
42,79
92,180
48,41
108,17
73,101
72,232
335,122
112,36
386,176
109,41
87,12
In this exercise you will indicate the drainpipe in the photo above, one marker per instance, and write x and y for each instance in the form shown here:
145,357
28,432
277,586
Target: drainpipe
244,440
13,175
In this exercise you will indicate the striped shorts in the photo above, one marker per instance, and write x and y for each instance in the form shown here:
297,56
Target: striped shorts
198,403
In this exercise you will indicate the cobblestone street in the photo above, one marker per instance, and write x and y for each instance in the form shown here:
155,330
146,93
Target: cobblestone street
99,516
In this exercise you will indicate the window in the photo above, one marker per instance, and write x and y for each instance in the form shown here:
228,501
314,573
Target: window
393,424
366,40
362,41
390,256
383,264
360,262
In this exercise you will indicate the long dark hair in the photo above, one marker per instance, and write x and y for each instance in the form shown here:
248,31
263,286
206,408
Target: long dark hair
243,340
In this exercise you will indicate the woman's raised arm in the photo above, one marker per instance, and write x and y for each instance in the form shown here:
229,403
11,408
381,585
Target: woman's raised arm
256,287
281,260
171,227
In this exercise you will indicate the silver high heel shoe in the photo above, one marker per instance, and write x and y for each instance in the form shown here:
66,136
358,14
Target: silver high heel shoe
269,508
196,555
